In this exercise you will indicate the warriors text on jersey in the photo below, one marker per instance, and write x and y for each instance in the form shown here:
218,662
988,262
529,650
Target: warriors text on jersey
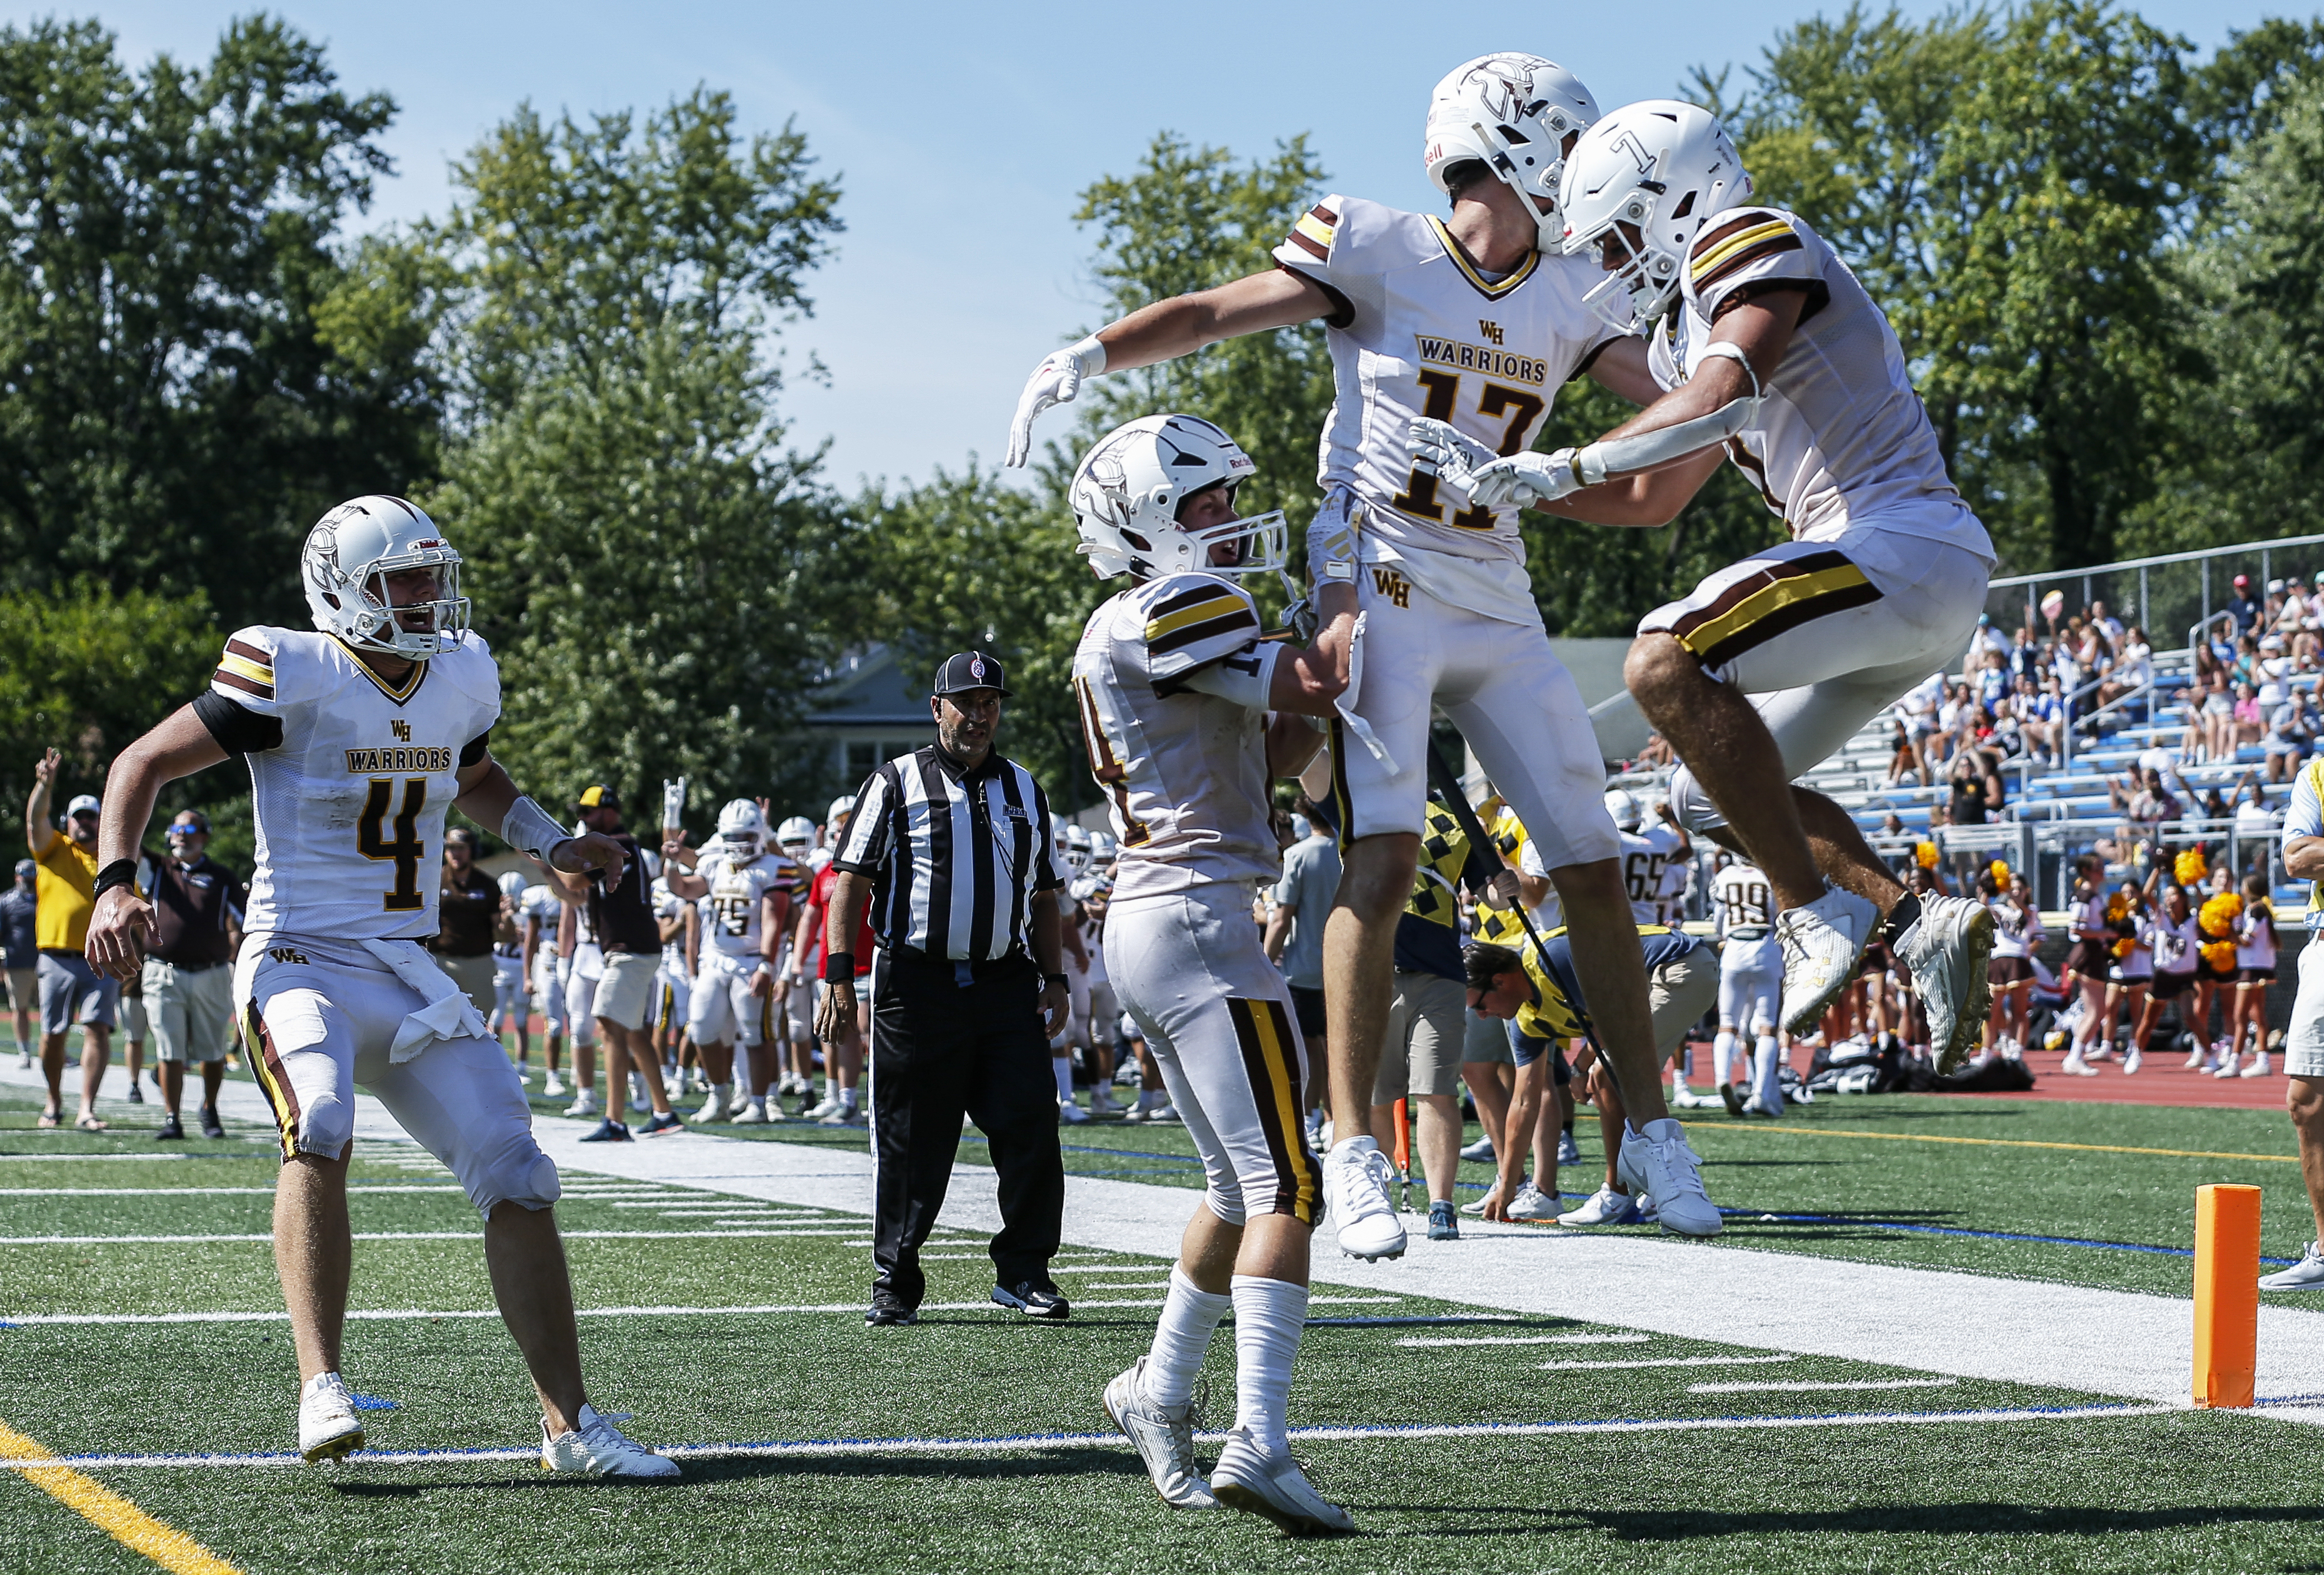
350,777
731,912
1420,331
1743,903
1172,679
1842,439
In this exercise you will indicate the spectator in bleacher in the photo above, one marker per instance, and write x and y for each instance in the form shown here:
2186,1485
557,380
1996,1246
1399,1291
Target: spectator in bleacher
1993,680
2037,735
2293,610
2250,722
2106,624
1956,719
2134,667
2244,607
2210,719
1904,760
2289,727
2024,657
1976,788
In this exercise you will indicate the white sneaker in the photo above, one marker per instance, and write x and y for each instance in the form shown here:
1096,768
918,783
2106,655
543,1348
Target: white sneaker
1532,1203
1756,1106
1822,943
328,1425
1071,1114
24,1060
2133,1060
842,1114
1945,952
2194,1060
2075,1066
740,1102
583,1105
1568,1152
2227,1065
598,1449
1278,1489
1482,1151
1165,1439
1657,1162
754,1114
713,1108
1686,1099
2258,1068
1604,1207
2307,1274
1356,1177
1102,1103
552,1087
1163,1113
827,1106
2105,1052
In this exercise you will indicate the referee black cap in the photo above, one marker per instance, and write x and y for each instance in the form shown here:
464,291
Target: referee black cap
971,669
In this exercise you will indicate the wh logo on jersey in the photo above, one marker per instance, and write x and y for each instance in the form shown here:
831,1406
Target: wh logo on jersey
1482,358
401,729
1491,330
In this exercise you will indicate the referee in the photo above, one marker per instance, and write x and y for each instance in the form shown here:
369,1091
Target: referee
950,846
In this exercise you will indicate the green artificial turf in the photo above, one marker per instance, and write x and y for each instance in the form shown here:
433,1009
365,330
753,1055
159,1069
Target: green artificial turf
2178,1492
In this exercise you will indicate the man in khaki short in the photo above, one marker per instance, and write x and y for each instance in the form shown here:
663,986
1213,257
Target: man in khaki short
188,974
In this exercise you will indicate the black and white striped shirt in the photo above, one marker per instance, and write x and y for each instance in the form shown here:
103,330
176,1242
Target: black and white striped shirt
955,859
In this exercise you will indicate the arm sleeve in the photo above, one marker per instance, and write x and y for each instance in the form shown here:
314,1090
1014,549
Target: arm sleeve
865,847
1749,247
476,748
239,730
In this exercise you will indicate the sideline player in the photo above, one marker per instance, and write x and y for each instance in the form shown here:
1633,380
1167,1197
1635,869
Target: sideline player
1750,980
512,1011
358,739
1477,322
1777,358
1176,689
540,911
744,892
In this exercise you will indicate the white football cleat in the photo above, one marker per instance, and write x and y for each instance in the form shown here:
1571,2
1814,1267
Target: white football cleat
1531,1204
1278,1489
1604,1207
2307,1274
1657,1162
1822,943
328,1425
713,1108
1945,952
584,1106
1356,1177
1165,1438
754,1114
552,1087
598,1449
1071,1115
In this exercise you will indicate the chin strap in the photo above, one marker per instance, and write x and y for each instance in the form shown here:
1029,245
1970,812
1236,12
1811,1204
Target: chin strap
1650,450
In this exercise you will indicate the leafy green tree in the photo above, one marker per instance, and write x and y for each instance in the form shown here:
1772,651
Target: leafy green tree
648,559
171,415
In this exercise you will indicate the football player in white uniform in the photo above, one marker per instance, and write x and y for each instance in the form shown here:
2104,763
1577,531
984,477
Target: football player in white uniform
1188,715
1774,356
794,1067
1477,322
358,739
674,918
1750,981
511,1009
1648,852
539,912
745,894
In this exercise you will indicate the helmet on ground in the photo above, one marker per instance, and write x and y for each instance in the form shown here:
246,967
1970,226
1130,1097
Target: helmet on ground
1127,494
1624,807
798,832
345,565
511,884
1663,169
742,827
1516,115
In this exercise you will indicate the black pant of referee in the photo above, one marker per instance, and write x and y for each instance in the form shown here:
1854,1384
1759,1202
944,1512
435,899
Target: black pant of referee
950,1038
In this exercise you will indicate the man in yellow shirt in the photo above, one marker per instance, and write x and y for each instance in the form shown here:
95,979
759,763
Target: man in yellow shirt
70,990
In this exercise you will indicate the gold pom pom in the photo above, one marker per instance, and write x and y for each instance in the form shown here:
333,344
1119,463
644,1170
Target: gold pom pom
2218,915
1999,869
1925,855
2220,955
2188,867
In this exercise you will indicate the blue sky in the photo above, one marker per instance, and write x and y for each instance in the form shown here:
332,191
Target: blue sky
962,135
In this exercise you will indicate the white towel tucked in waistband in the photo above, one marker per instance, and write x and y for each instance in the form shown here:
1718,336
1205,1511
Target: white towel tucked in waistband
449,1013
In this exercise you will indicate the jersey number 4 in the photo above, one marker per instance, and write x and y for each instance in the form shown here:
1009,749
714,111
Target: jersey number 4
407,850
1443,389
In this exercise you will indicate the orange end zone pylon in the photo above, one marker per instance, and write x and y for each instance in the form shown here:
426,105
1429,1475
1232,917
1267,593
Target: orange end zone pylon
2227,1294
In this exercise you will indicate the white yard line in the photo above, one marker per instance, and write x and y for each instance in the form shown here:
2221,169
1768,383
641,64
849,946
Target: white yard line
1807,1384
1417,1341
1694,1361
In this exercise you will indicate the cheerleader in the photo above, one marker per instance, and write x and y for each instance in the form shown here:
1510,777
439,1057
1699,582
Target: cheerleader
2017,934
2088,962
2133,971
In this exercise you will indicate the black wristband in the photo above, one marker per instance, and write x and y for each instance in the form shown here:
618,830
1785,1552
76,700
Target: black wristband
120,872
838,965
1057,978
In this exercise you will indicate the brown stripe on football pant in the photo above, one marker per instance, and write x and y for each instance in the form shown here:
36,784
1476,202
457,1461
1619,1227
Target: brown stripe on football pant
1262,1078
1749,585
267,1067
1855,591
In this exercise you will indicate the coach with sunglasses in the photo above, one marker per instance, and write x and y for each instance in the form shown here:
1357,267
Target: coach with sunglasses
950,847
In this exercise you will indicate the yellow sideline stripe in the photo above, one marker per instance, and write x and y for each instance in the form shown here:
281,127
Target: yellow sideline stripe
1994,1142
93,1501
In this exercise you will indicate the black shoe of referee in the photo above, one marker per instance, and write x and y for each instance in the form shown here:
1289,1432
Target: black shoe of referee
1034,1298
889,1311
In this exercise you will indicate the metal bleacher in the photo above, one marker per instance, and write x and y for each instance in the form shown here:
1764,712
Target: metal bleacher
2059,809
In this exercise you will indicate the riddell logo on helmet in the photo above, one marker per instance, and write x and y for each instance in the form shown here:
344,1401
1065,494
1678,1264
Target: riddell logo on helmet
424,546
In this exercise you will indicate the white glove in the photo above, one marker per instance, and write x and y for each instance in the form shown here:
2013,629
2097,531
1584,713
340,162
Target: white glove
1333,540
1055,382
1451,452
1524,478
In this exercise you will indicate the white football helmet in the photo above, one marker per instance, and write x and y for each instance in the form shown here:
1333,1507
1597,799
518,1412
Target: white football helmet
1625,809
795,833
1663,168
346,563
1127,492
1102,848
742,827
511,884
1078,845
840,808
1516,115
